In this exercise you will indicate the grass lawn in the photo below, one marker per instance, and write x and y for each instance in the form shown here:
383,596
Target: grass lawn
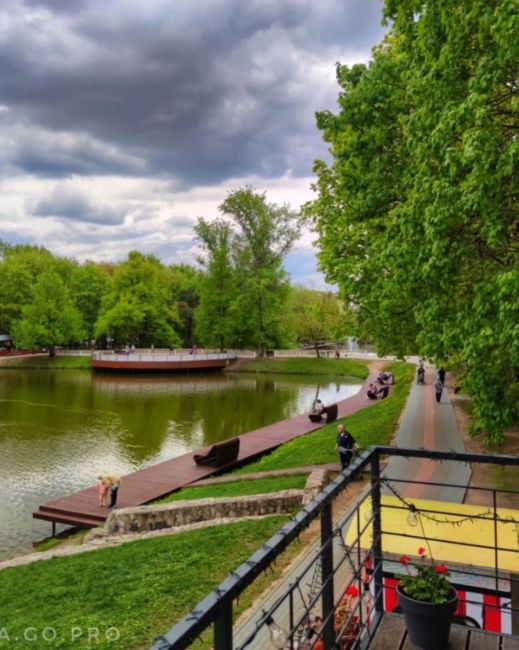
244,487
137,590
373,425
42,362
306,366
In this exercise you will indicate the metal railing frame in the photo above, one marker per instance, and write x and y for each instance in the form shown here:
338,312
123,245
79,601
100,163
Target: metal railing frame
217,607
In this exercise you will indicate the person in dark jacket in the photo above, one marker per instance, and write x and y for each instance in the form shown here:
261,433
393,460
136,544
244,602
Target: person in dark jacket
441,375
438,390
346,443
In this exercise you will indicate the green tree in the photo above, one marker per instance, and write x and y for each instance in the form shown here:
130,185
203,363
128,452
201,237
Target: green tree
88,283
139,307
263,234
316,316
51,318
216,318
185,282
20,267
417,214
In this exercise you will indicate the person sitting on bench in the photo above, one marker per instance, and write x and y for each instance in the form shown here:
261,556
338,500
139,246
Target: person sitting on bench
374,392
318,408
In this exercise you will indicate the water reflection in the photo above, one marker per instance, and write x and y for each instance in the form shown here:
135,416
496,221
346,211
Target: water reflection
58,430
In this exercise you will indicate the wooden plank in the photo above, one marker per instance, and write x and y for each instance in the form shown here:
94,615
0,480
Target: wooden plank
457,639
510,643
479,640
390,633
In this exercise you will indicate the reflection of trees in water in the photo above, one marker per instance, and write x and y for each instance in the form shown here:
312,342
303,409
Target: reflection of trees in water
142,413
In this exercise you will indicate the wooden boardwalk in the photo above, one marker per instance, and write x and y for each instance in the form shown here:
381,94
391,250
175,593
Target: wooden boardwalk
156,481
391,635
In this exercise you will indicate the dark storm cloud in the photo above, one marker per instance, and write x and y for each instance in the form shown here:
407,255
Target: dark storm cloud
70,204
196,91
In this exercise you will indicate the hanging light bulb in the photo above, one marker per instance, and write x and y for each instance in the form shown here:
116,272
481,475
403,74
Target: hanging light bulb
412,517
278,635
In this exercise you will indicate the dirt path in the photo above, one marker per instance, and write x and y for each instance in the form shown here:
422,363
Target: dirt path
487,476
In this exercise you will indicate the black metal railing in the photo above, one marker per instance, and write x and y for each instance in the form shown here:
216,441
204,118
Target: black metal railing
337,596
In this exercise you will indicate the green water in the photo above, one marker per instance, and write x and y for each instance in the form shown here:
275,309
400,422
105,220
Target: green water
60,429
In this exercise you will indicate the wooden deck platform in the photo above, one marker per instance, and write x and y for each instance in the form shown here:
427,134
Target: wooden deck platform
392,635
151,483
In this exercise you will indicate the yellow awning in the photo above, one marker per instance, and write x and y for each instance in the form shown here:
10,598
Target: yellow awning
455,525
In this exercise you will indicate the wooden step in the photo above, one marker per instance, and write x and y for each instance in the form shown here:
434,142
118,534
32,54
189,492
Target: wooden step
65,512
71,520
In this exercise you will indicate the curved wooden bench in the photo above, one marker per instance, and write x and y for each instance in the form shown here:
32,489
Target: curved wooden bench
220,454
329,412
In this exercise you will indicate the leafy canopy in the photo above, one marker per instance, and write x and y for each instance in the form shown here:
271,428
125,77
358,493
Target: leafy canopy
417,214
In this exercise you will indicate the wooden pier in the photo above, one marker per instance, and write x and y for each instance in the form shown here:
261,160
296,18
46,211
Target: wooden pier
151,483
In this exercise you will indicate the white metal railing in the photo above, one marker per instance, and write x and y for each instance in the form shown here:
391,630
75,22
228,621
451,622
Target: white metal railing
161,356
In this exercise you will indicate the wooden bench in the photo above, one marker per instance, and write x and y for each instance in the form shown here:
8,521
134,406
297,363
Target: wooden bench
329,412
220,454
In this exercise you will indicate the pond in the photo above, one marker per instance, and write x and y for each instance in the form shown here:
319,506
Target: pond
60,429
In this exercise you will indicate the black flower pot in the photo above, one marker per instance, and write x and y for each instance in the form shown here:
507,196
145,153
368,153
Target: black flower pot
428,624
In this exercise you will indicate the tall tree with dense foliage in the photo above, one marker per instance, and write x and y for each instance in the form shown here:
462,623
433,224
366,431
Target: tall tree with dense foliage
317,316
216,324
263,235
185,282
20,267
139,307
417,214
51,318
88,283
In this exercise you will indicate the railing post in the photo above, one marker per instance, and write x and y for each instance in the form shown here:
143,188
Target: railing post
327,576
223,627
378,577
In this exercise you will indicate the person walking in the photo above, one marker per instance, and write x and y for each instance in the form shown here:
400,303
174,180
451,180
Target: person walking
346,443
438,390
441,375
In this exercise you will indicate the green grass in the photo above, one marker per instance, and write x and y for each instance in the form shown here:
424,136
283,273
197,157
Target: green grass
373,425
69,536
55,363
466,405
140,588
243,487
506,478
307,366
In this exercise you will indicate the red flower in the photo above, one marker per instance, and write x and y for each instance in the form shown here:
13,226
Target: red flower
421,551
352,591
405,559
441,568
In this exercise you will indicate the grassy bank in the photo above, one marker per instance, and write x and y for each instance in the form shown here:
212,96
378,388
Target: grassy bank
373,425
139,589
304,366
239,488
46,362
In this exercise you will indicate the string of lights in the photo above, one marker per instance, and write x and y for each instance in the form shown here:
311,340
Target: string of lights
414,511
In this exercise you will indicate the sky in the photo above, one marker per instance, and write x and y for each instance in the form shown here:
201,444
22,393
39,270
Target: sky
122,122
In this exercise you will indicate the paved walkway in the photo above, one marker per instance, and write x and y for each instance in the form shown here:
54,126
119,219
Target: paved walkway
430,425
424,424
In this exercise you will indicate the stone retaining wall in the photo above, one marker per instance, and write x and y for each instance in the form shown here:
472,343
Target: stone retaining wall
182,513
